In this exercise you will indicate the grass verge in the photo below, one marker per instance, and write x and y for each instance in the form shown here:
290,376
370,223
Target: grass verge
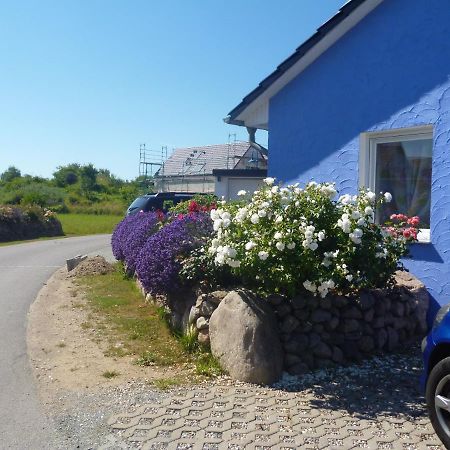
130,326
84,224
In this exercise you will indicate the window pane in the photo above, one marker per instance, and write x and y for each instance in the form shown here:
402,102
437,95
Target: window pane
404,170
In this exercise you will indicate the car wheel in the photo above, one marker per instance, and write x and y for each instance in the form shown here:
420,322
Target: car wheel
438,400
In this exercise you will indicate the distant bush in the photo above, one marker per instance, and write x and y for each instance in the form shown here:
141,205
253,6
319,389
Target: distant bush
27,223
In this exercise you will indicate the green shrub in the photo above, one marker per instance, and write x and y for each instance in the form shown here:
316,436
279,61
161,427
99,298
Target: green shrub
291,240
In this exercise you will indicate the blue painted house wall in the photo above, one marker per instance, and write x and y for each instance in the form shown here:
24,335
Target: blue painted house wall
390,71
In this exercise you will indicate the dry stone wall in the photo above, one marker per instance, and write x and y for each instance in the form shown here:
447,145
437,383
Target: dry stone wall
313,332
322,332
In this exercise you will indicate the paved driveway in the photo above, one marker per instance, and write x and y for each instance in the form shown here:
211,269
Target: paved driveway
23,270
376,405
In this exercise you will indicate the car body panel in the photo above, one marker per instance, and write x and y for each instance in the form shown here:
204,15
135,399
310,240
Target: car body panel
437,340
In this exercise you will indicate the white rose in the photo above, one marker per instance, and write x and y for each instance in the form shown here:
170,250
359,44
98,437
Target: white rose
242,193
291,245
349,277
217,224
279,219
280,246
387,197
368,211
313,246
263,255
250,245
278,235
321,236
262,213
309,286
233,263
269,181
254,219
371,196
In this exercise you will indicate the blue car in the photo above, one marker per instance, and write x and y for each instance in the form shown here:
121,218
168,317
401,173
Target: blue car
435,379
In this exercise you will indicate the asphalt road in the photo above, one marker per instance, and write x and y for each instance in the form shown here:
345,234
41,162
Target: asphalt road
24,268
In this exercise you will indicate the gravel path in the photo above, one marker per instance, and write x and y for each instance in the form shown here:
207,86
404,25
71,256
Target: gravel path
373,405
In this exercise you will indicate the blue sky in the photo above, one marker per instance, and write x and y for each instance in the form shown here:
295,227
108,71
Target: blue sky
89,80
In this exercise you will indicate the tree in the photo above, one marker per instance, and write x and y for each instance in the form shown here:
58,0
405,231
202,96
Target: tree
88,176
10,173
66,175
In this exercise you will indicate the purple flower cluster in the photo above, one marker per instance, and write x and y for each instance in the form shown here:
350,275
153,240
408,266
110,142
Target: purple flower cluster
158,263
131,234
146,224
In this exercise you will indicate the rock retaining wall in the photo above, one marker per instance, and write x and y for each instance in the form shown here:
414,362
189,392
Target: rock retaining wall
323,332
316,332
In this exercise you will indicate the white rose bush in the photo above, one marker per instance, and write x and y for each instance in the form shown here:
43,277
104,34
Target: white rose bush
293,240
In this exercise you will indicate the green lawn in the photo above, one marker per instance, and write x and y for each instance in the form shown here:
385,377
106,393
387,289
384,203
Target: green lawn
83,224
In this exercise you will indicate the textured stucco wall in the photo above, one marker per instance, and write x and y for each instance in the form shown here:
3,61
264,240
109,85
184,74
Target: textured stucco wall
391,71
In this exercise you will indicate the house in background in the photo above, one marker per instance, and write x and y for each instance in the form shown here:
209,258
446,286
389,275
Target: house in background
223,169
365,102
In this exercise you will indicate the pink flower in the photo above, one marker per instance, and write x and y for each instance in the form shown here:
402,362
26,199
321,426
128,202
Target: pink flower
414,221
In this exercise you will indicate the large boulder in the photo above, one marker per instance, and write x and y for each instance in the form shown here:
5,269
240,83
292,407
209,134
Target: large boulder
244,338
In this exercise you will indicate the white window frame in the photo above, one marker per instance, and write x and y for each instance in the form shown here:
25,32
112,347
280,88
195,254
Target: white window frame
368,155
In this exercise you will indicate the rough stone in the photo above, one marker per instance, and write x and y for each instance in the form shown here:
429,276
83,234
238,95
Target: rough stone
378,322
368,315
352,312
332,324
325,303
298,302
323,363
340,301
350,350
214,297
404,278
203,337
275,299
283,309
381,338
338,355
298,343
350,325
289,324
314,340
318,328
366,344
366,300
194,314
299,369
320,315
393,339
398,309
290,359
322,350
244,338
202,323
207,308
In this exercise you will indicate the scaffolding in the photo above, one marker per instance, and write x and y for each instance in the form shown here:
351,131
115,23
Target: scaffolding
150,162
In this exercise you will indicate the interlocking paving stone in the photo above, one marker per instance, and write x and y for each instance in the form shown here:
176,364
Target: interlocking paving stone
318,413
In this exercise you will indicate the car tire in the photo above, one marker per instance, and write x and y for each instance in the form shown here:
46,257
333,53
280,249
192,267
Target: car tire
437,394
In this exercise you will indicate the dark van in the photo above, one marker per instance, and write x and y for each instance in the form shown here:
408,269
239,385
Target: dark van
161,201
